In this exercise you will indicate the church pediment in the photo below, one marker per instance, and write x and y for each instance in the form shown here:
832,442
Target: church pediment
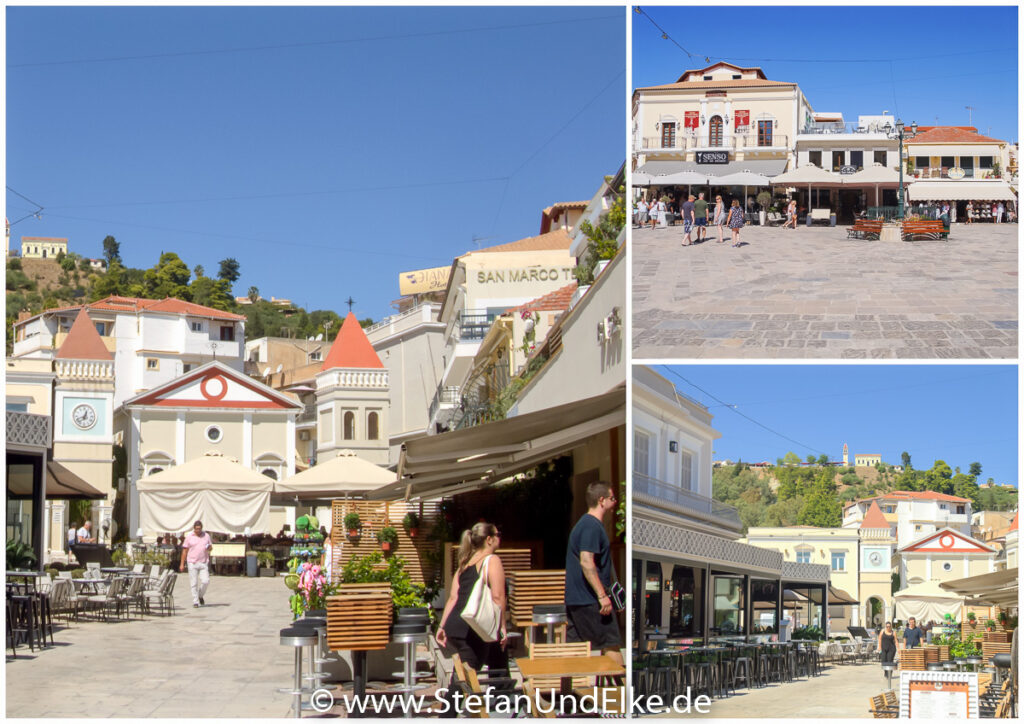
214,386
946,540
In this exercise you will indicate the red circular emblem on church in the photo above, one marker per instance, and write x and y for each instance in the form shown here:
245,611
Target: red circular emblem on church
947,541
214,388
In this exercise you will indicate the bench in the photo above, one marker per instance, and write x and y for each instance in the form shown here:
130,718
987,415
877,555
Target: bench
865,229
821,215
928,228
227,557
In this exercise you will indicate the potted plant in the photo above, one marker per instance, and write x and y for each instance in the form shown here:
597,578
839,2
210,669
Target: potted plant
266,562
764,198
990,625
411,523
352,524
1003,618
971,618
387,537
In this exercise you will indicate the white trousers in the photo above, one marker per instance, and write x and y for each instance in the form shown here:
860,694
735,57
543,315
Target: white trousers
199,577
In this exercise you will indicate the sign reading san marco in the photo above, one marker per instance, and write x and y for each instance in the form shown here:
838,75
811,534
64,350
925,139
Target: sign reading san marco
712,157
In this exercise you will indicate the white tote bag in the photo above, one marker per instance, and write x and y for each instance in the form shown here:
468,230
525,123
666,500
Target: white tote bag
481,612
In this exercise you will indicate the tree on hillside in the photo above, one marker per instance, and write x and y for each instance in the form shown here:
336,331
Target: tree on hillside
198,271
939,478
111,250
169,278
229,270
368,322
823,459
603,238
111,283
791,459
966,486
811,460
254,294
783,513
821,508
975,470
905,457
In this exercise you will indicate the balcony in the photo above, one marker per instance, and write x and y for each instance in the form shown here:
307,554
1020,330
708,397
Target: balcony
446,397
731,142
687,500
474,324
28,430
943,172
308,414
839,128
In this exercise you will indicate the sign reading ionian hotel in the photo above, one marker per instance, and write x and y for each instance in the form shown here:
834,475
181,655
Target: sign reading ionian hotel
524,274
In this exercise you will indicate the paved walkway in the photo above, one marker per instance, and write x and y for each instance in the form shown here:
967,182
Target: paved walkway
813,293
222,660
841,692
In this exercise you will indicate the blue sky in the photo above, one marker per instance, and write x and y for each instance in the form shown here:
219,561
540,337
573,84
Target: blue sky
327,149
957,413
943,57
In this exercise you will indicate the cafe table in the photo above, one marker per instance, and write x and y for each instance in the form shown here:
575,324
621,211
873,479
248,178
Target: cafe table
567,667
27,576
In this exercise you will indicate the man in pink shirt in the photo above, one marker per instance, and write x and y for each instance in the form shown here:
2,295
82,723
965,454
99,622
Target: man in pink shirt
196,550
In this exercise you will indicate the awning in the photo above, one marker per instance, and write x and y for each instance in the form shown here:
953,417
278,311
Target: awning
344,475
433,466
807,174
61,484
951,190
991,589
772,167
839,597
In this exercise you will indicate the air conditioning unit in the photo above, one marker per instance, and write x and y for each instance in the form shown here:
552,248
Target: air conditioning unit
304,434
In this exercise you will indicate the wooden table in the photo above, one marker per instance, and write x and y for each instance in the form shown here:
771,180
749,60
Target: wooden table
566,667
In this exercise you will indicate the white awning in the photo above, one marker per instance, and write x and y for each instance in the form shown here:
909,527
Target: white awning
960,191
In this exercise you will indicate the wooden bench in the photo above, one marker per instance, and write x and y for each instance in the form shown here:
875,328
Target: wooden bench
929,228
880,709
865,229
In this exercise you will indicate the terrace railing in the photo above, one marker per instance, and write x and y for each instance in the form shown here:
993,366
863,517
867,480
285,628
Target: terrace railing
676,495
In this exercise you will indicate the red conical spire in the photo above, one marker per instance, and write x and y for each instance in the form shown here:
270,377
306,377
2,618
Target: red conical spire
83,341
351,348
874,517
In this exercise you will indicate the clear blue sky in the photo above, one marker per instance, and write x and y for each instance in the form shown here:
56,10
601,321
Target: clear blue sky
943,57
957,413
327,149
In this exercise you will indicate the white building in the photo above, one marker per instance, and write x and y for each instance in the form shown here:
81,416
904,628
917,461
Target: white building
914,514
153,340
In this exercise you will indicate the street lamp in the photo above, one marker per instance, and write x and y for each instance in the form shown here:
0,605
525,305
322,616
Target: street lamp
901,132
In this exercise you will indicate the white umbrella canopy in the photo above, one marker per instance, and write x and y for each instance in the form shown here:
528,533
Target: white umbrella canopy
742,178
807,174
643,179
876,174
211,471
346,474
689,178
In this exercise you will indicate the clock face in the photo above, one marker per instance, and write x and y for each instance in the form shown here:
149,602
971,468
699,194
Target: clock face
875,558
84,416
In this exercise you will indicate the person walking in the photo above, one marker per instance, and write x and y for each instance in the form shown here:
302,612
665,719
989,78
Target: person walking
912,635
720,218
790,215
476,551
687,210
641,212
658,209
735,221
195,553
700,217
887,643
589,572
970,212
1000,210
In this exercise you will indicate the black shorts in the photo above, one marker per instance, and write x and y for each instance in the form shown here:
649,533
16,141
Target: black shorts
587,624
701,221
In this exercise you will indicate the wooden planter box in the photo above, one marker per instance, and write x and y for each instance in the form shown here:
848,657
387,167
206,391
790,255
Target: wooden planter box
359,617
267,572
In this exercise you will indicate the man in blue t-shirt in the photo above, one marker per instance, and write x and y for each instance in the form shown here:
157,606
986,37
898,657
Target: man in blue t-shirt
589,575
912,634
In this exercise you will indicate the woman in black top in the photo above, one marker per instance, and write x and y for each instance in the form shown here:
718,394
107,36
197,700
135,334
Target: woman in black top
887,643
478,544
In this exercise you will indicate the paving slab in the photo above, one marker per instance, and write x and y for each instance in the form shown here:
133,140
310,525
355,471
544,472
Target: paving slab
814,293
221,660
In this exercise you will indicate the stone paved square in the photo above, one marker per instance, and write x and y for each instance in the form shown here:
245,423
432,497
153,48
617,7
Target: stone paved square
813,293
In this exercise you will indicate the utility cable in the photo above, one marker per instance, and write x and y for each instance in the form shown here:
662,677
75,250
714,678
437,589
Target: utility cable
746,417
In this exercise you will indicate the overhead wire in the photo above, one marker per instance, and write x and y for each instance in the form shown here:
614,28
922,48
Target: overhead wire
311,44
741,414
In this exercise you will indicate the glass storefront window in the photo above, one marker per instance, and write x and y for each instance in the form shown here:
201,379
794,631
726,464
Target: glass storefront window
728,606
19,521
967,164
764,597
687,604
652,594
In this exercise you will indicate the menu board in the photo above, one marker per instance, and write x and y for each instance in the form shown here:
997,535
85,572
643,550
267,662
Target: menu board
938,695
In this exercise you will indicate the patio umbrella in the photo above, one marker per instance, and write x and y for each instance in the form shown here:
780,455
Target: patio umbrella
689,178
808,174
643,179
345,475
875,174
744,178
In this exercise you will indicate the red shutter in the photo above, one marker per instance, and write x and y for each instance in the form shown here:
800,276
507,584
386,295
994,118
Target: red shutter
691,119
742,118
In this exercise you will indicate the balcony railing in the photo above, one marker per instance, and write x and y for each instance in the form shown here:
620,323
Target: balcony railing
24,428
943,172
308,413
474,323
647,485
826,128
447,395
730,142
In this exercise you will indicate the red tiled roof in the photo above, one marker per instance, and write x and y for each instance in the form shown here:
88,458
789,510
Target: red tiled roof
916,495
552,241
874,518
1013,524
170,305
950,134
351,348
719,64
43,238
554,301
83,341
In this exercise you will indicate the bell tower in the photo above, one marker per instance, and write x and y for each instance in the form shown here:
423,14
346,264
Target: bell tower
846,455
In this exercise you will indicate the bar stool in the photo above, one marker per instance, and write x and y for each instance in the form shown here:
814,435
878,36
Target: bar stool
409,641
743,669
764,668
299,638
549,615
887,668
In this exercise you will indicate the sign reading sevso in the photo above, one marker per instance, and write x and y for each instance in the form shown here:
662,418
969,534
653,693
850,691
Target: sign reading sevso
712,157
956,173
524,274
424,280
847,170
